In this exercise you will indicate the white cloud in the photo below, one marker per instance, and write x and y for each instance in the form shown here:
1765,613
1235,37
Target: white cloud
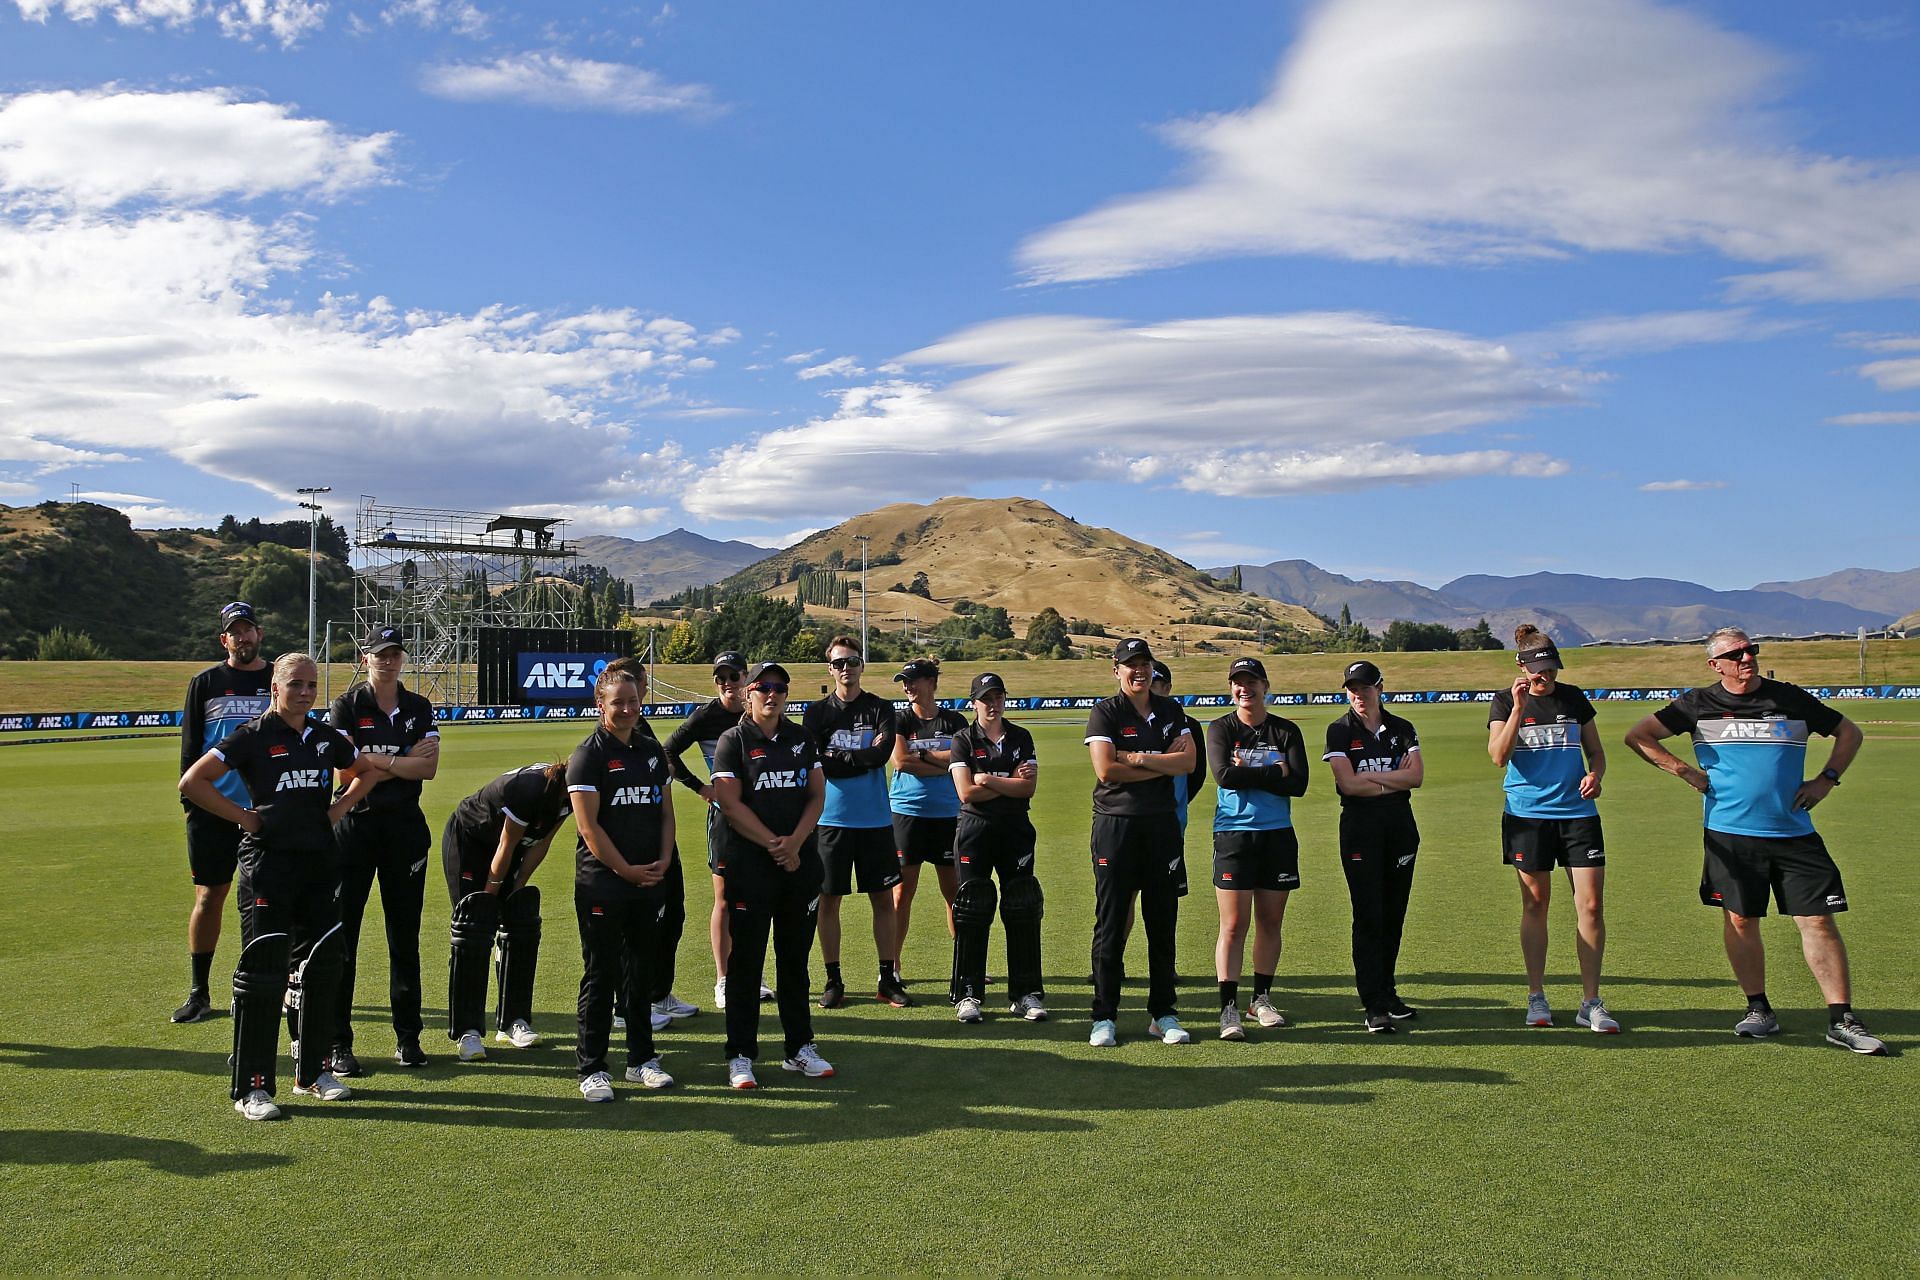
600,517
111,498
780,542
1235,404
100,148
144,515
1893,375
569,84
1884,418
1680,486
801,357
285,21
1602,336
838,367
454,15
1488,130
18,489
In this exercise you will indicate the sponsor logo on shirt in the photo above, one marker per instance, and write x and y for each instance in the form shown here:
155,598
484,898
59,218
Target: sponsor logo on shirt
276,752
616,765
635,795
366,722
301,779
779,779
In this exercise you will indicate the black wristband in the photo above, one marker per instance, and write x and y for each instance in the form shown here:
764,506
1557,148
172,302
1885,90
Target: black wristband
1829,774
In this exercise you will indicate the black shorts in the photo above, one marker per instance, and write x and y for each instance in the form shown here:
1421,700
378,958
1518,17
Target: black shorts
1739,870
213,847
982,846
1247,860
866,850
1538,845
920,839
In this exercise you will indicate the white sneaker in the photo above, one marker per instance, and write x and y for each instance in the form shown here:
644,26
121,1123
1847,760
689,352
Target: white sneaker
766,994
597,1088
674,1007
1593,1014
619,1023
1029,1007
720,995
520,1035
472,1047
649,1074
257,1106
809,1063
740,1073
325,1088
1105,1034
1168,1030
1265,1014
968,1010
1230,1028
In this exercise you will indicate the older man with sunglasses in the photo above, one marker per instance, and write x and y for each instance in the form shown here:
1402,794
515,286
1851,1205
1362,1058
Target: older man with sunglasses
1750,739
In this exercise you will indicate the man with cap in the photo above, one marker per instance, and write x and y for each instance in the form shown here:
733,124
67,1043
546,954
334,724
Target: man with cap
704,727
1138,744
1375,757
852,732
219,700
1542,729
1750,737
925,806
385,836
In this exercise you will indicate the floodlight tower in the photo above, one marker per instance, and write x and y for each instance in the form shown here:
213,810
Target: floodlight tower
312,508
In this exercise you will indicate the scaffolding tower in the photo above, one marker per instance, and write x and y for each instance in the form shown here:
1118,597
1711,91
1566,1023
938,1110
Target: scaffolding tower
441,576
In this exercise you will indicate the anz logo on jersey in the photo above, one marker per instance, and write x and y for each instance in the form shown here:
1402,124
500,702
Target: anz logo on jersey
780,780
635,795
302,779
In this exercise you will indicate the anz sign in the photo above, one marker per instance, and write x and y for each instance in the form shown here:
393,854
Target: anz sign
558,677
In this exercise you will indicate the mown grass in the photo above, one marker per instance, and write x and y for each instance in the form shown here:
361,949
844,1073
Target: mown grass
1469,1145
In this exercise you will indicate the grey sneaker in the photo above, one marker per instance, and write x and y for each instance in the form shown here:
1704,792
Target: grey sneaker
1230,1028
1029,1007
1851,1033
1538,1014
967,1010
650,1074
1594,1014
1265,1014
1757,1023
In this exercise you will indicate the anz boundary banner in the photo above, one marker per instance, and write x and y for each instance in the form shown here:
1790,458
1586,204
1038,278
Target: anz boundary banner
559,686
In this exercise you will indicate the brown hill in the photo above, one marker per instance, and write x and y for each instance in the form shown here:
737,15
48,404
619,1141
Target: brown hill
1021,556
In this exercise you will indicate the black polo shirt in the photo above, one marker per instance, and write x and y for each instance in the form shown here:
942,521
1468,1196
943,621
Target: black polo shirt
357,714
1115,720
1368,753
631,780
773,772
521,795
975,752
289,774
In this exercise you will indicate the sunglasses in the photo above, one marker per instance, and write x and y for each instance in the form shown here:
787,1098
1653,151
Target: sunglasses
769,687
846,664
1738,655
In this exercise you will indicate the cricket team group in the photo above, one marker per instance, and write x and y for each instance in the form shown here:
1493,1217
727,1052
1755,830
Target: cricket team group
300,815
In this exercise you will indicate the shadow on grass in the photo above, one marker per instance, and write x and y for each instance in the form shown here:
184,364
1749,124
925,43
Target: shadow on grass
115,1057
165,1155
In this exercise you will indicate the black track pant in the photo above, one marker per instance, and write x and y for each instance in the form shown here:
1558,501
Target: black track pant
618,937
294,894
1135,855
673,922
761,899
1377,851
392,847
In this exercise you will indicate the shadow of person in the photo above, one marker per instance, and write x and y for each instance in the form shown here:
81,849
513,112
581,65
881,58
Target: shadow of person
164,1155
115,1057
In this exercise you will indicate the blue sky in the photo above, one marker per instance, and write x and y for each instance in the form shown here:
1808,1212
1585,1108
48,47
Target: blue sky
1405,289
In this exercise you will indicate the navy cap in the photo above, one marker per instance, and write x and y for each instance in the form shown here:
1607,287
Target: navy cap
985,683
764,669
1361,672
383,637
729,661
1545,658
1162,672
238,611
918,669
1246,667
1132,649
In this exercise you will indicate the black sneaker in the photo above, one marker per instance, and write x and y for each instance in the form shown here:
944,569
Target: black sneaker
197,1008
1851,1033
894,992
1399,1010
1380,1023
834,994
408,1053
344,1065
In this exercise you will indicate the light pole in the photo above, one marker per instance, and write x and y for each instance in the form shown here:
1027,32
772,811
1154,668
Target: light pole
312,508
863,539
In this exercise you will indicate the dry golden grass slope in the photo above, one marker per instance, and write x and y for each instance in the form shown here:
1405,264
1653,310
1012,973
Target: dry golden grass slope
1021,556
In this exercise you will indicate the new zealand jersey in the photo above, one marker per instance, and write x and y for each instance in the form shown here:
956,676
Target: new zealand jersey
1368,753
1753,749
520,795
1115,720
926,797
704,727
854,741
1256,793
975,752
773,773
220,700
290,773
1544,772
631,780
357,714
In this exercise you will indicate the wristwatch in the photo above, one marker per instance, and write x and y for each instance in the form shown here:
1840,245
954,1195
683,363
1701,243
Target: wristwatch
1830,775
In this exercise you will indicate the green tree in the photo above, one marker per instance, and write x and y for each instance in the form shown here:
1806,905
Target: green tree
683,644
1479,636
1047,635
754,625
585,616
920,586
1419,637
62,645
611,603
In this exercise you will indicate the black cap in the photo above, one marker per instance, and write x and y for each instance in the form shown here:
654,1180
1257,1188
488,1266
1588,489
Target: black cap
1545,658
764,669
985,683
918,669
1246,667
238,611
383,637
1162,672
1132,649
1361,672
729,661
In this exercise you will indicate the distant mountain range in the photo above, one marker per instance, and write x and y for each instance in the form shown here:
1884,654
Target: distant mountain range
1579,608
659,567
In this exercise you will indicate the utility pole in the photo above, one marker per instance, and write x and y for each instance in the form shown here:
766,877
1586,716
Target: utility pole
863,539
312,507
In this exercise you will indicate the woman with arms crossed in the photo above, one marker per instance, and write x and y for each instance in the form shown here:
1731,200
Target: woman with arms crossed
926,809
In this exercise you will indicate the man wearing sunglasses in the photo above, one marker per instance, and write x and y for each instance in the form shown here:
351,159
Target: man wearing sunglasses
853,731
1750,738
